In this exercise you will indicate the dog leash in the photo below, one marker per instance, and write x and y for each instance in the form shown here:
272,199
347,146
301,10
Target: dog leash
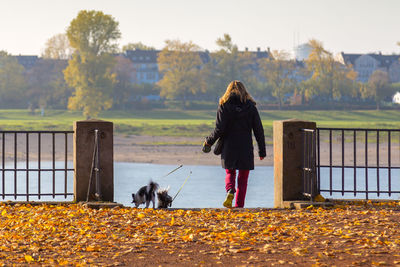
174,170
187,178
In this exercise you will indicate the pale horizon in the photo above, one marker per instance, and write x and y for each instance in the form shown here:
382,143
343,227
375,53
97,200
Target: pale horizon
354,26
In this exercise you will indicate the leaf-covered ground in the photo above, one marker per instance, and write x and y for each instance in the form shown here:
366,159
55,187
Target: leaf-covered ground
357,234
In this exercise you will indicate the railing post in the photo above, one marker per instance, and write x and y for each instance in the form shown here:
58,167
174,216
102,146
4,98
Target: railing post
288,160
84,142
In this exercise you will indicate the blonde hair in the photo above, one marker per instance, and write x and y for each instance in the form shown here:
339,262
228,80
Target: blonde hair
236,88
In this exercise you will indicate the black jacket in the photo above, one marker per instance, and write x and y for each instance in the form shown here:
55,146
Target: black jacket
235,122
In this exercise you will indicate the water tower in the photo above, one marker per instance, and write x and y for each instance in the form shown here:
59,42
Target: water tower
302,51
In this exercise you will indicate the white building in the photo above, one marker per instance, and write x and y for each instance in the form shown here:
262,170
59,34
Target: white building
396,98
366,64
301,52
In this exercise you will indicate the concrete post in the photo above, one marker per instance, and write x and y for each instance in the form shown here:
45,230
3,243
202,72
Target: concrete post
288,160
84,139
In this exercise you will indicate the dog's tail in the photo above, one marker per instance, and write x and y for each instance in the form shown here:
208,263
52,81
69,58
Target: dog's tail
152,187
162,190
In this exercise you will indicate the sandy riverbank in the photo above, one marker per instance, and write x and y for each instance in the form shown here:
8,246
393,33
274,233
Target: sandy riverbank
187,151
141,149
170,150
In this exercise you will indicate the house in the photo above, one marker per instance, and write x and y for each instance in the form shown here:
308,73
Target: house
366,64
146,66
396,98
27,61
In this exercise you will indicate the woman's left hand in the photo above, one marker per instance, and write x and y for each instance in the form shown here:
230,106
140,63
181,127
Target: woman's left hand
206,147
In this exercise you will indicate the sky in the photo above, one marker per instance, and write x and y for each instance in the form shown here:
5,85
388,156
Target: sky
350,26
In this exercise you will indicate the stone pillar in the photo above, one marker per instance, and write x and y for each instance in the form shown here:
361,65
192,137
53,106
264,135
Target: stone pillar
288,160
84,139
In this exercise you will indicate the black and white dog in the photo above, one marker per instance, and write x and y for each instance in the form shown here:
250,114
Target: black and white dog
146,194
164,200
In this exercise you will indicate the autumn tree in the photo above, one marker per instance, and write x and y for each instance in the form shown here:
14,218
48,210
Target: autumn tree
180,64
93,35
125,76
47,86
136,46
378,87
279,73
319,64
58,47
233,64
228,64
327,76
12,82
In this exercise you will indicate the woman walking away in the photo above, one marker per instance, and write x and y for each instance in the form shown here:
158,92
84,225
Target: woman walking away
237,117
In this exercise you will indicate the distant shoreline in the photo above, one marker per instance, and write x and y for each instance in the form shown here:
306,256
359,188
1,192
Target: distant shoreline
173,151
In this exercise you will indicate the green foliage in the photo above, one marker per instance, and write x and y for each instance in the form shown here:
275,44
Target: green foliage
378,87
328,77
47,87
279,72
226,44
58,47
228,64
12,82
180,64
92,34
93,83
123,87
137,46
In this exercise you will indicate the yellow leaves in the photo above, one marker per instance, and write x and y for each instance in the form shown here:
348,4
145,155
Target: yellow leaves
244,235
140,215
319,198
299,251
188,238
63,262
92,248
29,258
75,235
380,263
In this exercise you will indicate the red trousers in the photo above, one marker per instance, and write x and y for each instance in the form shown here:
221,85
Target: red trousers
230,181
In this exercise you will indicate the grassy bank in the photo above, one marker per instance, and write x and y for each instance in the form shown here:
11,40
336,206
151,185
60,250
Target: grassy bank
189,123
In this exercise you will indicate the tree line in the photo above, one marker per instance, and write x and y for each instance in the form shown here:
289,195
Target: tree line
83,69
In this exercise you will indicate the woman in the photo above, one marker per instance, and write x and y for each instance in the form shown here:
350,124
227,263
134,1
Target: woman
237,117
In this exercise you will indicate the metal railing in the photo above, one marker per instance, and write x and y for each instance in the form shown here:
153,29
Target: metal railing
29,167
310,186
355,161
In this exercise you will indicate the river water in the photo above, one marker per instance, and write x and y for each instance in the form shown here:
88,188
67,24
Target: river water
205,186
